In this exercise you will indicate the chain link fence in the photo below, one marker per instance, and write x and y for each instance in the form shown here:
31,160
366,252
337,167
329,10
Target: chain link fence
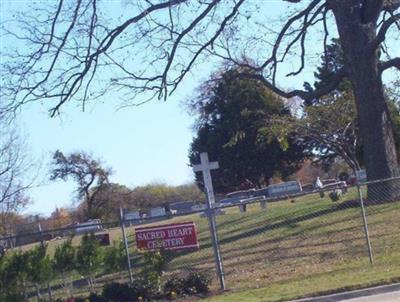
335,236
327,234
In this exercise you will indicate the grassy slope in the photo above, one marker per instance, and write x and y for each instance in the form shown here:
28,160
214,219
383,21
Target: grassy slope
293,249
311,246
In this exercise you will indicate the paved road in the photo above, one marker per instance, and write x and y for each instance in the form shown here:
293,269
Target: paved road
388,297
384,293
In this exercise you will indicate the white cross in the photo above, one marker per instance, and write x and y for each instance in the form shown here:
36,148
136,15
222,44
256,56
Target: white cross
205,167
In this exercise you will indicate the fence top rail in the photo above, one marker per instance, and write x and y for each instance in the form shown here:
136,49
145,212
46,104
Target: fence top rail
370,182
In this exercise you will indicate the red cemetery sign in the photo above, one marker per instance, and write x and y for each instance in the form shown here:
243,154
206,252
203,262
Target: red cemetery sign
176,236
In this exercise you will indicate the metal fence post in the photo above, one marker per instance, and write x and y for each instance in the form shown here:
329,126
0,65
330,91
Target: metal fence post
122,220
215,242
366,232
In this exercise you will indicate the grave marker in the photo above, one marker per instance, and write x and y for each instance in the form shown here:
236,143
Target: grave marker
205,167
103,239
157,212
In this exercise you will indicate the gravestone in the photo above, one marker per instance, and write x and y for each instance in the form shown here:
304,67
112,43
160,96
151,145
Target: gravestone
243,208
263,204
361,176
285,188
88,226
157,212
103,239
181,207
198,207
132,217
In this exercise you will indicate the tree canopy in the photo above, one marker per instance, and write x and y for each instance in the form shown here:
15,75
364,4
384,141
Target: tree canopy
230,127
88,173
338,110
110,197
76,51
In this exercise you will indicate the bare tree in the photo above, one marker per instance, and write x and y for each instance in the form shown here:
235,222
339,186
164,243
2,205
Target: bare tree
155,44
17,173
86,171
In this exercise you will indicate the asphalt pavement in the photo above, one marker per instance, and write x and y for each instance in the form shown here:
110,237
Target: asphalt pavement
384,293
388,297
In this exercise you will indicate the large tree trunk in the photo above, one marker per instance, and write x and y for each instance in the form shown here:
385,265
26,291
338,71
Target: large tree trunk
357,35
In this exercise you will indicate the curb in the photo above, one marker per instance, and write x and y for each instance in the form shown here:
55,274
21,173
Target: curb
354,294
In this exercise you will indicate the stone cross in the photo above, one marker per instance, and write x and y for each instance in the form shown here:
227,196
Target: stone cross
205,167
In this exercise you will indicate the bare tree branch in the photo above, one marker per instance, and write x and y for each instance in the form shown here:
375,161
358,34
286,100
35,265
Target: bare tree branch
306,95
17,172
380,37
389,64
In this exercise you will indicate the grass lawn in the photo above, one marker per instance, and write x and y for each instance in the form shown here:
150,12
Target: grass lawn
291,249
349,277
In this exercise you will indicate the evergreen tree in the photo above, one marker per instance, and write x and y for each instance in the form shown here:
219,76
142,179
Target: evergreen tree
89,258
232,113
63,261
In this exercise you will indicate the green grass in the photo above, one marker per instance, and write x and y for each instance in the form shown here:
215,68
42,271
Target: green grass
307,248
291,249
349,276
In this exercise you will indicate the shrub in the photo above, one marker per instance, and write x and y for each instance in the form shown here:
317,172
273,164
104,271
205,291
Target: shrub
97,298
116,291
64,262
139,290
335,195
77,299
91,298
11,297
197,283
174,286
114,258
89,258
39,267
154,266
64,257
12,276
